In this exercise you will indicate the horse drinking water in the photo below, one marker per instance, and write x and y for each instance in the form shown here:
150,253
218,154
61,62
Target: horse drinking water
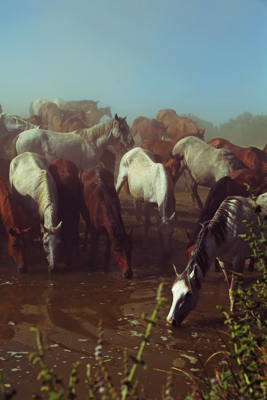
219,238
35,192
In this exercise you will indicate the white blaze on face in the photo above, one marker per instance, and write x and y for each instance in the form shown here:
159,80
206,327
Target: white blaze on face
179,290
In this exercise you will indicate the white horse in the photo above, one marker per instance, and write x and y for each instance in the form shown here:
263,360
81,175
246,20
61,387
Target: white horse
152,182
10,124
35,192
219,238
83,147
205,164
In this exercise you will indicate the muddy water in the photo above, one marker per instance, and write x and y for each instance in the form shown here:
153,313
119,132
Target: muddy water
66,308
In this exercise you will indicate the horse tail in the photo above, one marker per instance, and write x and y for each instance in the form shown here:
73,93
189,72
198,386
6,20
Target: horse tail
126,188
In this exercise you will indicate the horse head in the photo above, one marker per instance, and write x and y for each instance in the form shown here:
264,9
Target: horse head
165,231
175,166
121,131
51,241
122,250
185,294
17,247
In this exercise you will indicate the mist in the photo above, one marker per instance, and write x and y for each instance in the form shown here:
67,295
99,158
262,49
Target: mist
205,58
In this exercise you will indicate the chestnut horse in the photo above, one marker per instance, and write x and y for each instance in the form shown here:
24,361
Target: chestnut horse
254,158
10,221
148,128
51,116
179,127
73,124
103,213
65,174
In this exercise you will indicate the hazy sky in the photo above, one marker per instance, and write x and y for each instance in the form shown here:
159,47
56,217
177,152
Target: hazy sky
206,57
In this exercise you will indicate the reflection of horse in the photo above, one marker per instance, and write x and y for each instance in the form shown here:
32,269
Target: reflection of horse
10,221
150,181
147,128
35,192
83,147
206,165
225,187
219,238
179,127
103,212
65,175
254,158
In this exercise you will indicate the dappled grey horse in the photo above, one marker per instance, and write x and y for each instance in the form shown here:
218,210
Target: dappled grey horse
219,238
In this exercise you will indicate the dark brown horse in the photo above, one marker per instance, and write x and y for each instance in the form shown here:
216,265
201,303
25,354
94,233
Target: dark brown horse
52,116
65,175
11,223
148,128
254,158
103,213
179,127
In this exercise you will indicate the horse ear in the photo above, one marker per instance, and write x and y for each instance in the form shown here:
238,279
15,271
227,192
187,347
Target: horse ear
43,229
26,230
193,274
58,228
189,237
171,155
173,217
129,233
116,117
177,272
125,117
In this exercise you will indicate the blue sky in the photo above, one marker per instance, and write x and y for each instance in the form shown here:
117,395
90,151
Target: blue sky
205,57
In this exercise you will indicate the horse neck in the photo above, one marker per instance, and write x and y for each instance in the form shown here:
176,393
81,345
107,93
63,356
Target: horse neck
100,112
51,216
8,210
99,135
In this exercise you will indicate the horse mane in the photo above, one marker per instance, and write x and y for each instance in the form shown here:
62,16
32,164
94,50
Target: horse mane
96,131
259,153
215,197
8,210
44,196
232,158
219,228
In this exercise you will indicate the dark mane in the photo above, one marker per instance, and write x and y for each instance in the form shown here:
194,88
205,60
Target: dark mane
219,228
225,187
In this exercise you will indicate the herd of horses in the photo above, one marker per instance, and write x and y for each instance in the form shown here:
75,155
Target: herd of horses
57,175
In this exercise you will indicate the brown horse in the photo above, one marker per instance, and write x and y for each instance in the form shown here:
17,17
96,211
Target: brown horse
73,124
254,158
148,128
94,117
103,213
11,223
179,127
65,175
85,105
4,168
161,147
52,116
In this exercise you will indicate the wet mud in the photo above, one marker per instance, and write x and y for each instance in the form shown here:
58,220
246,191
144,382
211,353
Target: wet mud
66,308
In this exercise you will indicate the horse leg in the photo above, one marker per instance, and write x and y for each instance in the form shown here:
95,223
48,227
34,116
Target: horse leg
251,265
94,239
138,209
147,223
185,182
107,253
217,267
85,239
195,195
